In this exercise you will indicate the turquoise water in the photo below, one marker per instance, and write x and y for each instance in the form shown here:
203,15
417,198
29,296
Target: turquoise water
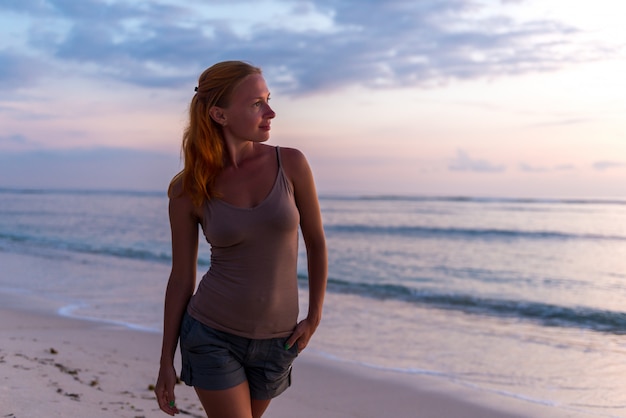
524,298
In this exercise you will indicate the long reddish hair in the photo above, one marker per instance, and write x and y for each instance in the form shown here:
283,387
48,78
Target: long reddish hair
203,138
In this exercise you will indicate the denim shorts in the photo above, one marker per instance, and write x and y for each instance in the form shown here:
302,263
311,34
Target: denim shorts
217,360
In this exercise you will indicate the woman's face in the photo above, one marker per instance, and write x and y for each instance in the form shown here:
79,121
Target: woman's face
248,115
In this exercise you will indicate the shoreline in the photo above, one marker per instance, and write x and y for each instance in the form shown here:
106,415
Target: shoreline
58,366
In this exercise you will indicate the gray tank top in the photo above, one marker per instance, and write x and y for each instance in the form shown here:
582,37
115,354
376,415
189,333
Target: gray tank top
251,288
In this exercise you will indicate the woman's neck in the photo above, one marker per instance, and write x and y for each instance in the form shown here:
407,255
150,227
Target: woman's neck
238,152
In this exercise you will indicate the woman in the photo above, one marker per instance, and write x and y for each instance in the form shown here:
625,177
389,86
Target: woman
239,332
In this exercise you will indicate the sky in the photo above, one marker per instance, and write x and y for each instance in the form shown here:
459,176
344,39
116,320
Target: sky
509,98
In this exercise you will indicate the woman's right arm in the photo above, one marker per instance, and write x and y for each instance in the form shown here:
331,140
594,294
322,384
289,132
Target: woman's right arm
180,288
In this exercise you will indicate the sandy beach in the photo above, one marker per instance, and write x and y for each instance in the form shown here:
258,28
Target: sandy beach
53,366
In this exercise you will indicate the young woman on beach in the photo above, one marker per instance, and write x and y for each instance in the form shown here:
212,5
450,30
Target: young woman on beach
239,332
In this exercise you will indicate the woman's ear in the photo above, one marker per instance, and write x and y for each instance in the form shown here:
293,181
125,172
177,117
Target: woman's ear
218,115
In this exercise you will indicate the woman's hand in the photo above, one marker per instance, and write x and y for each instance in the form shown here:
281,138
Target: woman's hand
302,334
164,390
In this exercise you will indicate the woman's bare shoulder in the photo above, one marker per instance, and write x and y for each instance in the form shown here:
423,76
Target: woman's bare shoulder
296,168
290,152
292,158
176,186
180,200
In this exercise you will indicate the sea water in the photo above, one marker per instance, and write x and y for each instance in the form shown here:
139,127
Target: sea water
524,298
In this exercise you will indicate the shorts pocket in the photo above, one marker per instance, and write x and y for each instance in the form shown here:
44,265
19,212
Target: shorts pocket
187,326
278,366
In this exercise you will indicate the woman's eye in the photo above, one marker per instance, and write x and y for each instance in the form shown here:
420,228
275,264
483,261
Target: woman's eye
260,102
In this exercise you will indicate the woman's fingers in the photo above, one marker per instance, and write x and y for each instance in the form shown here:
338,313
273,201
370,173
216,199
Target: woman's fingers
164,391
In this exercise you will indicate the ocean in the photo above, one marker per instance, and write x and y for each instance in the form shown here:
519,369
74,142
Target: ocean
524,298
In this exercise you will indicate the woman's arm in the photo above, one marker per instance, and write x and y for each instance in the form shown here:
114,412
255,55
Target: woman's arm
180,287
299,172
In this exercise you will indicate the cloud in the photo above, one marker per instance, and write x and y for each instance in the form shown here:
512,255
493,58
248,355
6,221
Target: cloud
528,168
608,165
18,70
463,162
13,139
17,142
334,44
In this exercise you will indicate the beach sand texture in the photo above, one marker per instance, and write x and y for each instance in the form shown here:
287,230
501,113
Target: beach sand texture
52,366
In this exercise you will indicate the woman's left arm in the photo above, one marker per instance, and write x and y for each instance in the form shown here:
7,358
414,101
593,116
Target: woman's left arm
298,171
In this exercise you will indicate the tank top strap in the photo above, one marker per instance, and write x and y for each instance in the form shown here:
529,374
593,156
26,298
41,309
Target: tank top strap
278,157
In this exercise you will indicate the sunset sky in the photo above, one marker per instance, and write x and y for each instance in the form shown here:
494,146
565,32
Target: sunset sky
521,98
